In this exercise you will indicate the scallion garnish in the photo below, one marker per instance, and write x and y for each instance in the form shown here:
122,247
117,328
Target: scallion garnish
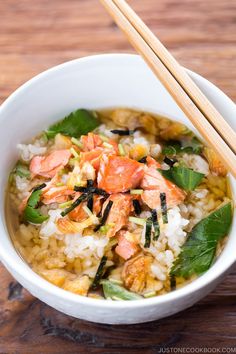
121,150
76,142
138,221
77,202
74,153
105,215
66,204
99,273
123,132
164,208
156,225
107,145
136,191
148,231
143,159
137,207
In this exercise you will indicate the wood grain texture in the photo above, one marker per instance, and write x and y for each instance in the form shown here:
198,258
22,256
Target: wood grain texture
35,35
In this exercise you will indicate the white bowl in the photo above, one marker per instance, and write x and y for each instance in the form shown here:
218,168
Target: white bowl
100,81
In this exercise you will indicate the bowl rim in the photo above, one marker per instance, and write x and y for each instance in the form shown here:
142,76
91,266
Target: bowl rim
23,270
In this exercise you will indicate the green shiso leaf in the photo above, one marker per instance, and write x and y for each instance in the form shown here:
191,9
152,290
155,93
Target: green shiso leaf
183,177
21,170
77,123
31,213
174,147
198,252
114,291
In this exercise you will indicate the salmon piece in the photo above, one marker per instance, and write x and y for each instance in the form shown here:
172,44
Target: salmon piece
119,213
48,166
125,248
119,174
154,183
78,214
91,141
57,195
92,156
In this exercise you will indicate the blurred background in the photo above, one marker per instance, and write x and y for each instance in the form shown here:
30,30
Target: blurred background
35,35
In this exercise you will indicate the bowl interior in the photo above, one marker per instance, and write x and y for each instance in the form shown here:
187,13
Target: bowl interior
95,82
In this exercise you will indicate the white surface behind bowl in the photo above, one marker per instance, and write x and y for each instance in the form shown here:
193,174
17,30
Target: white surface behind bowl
98,82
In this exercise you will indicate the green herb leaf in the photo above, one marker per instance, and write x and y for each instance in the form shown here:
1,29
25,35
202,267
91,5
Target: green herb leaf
31,213
183,177
199,250
77,123
174,147
114,291
21,170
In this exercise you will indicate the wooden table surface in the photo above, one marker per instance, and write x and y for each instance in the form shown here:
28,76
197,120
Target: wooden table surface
35,35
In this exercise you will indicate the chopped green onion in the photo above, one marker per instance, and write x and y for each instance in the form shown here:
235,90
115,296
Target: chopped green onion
105,228
138,221
116,281
65,205
104,138
136,191
39,187
99,273
87,210
150,294
121,149
76,142
148,232
74,153
109,146
164,208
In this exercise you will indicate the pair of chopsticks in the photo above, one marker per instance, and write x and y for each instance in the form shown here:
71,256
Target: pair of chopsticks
204,116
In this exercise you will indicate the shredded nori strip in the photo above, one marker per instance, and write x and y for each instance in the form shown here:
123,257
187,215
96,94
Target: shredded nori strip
172,283
156,225
164,208
99,273
137,207
93,190
90,202
148,232
122,132
37,188
143,159
105,215
170,162
89,183
77,202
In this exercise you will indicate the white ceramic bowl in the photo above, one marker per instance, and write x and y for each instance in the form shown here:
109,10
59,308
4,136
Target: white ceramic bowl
111,80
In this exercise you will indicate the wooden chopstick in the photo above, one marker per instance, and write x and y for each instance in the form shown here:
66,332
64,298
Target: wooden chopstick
144,44
192,90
